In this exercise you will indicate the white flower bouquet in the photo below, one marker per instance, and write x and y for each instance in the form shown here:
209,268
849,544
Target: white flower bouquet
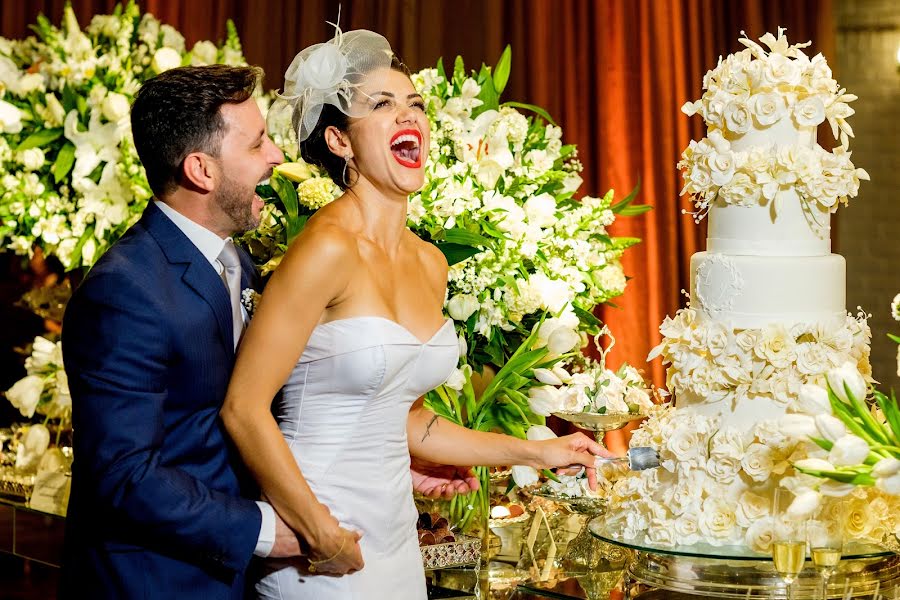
45,388
72,182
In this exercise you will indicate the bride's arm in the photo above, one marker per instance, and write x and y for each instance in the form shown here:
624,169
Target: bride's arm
312,276
436,439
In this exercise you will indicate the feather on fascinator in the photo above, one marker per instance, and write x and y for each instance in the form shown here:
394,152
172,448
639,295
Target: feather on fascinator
332,73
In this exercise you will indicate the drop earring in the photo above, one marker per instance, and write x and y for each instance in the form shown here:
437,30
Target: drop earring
344,173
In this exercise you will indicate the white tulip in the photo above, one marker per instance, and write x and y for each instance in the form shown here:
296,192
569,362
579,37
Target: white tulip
524,476
798,426
848,451
547,376
165,59
540,432
456,381
814,464
831,428
544,400
835,489
886,467
847,374
890,485
463,346
813,399
462,306
804,504
563,375
25,394
563,340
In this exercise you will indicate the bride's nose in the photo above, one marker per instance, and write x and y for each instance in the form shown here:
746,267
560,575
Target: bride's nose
406,114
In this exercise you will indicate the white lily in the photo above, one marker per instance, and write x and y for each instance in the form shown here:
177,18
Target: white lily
100,143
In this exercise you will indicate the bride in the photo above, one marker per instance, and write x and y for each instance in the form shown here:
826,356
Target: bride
351,327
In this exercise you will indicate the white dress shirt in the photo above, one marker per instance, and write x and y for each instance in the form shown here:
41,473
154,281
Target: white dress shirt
210,246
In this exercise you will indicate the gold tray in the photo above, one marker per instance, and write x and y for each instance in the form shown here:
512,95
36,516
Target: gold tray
464,551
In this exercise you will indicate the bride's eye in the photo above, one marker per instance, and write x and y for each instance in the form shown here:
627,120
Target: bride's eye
420,105
382,103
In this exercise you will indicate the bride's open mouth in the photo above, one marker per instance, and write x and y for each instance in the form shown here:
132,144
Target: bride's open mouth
406,146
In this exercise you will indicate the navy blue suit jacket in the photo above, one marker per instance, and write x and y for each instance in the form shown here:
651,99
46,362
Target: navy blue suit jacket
159,505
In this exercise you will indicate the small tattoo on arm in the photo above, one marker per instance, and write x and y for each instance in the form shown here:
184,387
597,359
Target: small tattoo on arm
428,427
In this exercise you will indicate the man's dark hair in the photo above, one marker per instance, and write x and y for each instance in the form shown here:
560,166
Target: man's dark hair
177,112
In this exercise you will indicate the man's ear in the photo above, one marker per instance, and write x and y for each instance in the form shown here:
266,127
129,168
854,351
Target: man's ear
338,142
199,171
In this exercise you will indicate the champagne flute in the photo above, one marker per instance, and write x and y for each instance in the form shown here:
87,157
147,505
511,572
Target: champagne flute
825,534
788,539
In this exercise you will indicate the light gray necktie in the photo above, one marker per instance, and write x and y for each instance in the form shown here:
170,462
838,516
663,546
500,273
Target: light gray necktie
231,276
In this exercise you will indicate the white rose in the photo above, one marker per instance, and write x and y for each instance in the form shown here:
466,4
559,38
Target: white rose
809,112
544,400
32,159
768,107
723,469
204,53
115,107
848,451
462,306
813,400
541,210
758,462
25,394
687,529
717,519
721,166
831,428
640,398
858,522
751,507
165,59
847,374
780,69
737,117
10,118
760,535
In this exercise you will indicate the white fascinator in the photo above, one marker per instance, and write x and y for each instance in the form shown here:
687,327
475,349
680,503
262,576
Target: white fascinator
331,73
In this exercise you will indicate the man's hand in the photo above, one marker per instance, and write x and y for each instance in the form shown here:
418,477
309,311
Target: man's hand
286,543
441,481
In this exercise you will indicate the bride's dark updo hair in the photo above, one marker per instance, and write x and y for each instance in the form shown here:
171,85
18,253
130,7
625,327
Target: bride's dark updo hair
314,150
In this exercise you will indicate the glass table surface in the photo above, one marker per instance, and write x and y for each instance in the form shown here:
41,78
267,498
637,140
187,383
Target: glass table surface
599,529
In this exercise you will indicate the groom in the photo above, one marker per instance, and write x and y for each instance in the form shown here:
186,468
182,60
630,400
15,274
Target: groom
159,505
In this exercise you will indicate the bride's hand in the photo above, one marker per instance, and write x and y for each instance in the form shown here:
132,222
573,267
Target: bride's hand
573,449
335,551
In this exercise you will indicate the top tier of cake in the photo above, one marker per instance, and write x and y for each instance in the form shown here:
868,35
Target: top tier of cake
767,186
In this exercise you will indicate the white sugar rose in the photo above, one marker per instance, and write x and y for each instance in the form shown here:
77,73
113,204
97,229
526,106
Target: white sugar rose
737,117
718,519
758,462
723,469
809,112
687,529
776,346
780,69
721,166
640,398
661,533
858,521
760,535
812,358
751,507
768,108
741,190
164,59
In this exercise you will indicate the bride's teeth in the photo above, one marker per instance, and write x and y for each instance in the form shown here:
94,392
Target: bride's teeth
406,138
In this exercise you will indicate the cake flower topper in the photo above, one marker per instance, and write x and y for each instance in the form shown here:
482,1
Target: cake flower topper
331,73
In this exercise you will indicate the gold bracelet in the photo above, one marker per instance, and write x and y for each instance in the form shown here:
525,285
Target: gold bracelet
338,553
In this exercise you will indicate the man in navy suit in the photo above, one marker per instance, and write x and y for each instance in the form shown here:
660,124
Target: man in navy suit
159,507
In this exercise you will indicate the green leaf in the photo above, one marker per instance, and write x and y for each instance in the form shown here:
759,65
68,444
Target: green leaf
465,237
459,69
633,211
531,107
587,317
76,252
440,67
64,161
456,253
894,337
490,99
501,71
41,138
891,413
624,202
69,99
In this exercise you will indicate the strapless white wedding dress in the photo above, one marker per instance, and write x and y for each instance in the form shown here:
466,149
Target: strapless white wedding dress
343,413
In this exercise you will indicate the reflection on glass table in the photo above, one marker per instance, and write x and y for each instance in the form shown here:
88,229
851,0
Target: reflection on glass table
738,572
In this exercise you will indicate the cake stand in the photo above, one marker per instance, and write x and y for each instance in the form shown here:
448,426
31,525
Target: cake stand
706,571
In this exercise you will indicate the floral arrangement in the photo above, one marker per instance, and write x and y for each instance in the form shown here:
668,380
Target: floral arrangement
709,360
72,181
755,88
45,388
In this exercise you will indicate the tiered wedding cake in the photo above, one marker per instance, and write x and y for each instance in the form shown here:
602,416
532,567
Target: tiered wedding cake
767,304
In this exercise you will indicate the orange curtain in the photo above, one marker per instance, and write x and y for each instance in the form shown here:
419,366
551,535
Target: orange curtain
613,73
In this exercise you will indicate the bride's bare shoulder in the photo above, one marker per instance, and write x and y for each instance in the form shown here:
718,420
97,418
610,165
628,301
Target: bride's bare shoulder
323,243
432,260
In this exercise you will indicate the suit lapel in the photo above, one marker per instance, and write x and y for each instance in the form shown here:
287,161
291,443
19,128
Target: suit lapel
199,275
